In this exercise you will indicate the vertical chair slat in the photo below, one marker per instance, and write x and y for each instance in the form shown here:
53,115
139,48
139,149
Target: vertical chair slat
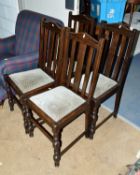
41,45
55,54
96,66
119,59
51,50
88,70
45,54
71,61
111,53
80,62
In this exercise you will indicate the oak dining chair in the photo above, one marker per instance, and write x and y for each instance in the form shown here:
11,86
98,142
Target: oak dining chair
60,106
116,60
20,85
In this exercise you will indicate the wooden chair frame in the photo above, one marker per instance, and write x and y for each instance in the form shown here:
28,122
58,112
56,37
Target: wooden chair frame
50,61
117,55
88,48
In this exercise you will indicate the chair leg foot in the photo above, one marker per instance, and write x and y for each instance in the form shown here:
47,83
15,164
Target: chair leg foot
57,145
115,115
31,128
117,103
2,103
11,104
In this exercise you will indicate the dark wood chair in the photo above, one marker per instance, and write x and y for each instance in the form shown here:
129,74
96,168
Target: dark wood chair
130,7
82,23
115,63
85,7
47,75
63,104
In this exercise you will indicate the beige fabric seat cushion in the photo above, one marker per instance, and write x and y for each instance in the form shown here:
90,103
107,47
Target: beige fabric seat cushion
57,102
31,79
103,84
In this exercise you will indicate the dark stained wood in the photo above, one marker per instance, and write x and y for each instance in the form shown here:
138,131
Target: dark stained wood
82,23
50,61
93,48
116,59
85,9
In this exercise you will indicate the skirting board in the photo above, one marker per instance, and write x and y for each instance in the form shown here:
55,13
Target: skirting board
122,118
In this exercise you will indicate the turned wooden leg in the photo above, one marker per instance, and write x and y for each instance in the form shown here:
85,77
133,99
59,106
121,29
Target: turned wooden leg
25,120
2,103
10,98
29,124
94,118
9,94
57,146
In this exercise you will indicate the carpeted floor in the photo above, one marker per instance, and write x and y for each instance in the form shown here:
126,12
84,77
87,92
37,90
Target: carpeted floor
114,146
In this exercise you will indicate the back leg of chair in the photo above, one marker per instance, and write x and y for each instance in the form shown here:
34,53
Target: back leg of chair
29,128
10,95
26,126
57,145
117,102
88,127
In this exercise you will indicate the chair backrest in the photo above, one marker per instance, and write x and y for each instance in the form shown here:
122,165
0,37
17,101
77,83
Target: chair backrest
81,48
27,31
82,23
118,51
85,7
51,48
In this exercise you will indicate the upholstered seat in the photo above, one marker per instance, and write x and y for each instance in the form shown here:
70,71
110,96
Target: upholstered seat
57,102
31,79
104,84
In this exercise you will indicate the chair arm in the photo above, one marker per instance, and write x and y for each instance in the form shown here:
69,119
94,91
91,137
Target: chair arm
7,45
20,63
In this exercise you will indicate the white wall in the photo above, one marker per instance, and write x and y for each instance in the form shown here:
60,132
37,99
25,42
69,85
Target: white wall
8,15
54,8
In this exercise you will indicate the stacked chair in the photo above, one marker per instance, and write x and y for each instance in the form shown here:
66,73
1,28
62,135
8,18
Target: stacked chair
116,59
59,91
27,83
82,23
38,80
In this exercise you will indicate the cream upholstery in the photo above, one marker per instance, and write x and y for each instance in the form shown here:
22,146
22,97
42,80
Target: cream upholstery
57,102
31,79
104,84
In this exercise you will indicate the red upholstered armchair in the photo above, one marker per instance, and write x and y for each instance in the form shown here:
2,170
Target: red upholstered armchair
20,51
